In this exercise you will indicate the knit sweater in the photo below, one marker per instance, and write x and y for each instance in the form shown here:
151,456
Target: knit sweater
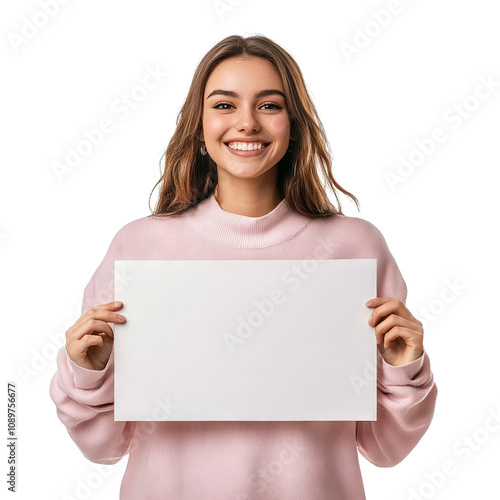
244,460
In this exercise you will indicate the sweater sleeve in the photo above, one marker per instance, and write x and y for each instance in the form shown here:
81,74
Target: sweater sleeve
406,395
405,407
84,398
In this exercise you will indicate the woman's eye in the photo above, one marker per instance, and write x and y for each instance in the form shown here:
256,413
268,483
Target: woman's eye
222,105
271,105
267,106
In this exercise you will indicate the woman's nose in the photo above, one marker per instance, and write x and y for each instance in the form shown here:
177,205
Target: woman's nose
247,121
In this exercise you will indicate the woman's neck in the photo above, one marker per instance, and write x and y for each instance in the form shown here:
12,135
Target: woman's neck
236,230
251,203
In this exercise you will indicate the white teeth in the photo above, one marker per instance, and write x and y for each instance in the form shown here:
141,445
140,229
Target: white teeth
245,146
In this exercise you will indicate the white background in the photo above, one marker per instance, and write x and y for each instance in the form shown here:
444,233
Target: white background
440,221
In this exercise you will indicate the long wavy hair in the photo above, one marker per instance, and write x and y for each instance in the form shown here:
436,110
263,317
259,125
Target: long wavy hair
189,177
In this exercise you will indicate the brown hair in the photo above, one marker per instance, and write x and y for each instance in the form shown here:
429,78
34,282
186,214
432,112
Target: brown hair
189,177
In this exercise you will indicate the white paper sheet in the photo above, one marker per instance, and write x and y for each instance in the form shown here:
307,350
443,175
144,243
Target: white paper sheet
245,340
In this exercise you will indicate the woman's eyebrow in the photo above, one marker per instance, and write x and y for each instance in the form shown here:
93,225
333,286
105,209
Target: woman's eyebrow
231,93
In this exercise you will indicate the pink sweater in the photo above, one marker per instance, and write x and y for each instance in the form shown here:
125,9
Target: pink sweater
312,460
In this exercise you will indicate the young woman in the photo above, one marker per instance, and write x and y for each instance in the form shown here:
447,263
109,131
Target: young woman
242,180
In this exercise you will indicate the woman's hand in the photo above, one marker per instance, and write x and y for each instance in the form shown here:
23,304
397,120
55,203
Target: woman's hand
400,336
90,340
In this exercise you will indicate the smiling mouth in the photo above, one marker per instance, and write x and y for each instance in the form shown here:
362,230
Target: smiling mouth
247,146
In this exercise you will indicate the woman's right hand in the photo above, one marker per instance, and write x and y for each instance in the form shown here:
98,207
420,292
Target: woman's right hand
90,340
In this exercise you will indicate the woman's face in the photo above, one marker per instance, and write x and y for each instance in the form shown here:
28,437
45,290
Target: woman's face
246,127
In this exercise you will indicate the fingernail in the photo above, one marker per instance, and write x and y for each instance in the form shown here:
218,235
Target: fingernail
370,303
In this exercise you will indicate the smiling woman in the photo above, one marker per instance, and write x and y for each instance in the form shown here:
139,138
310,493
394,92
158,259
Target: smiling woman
249,109
245,176
246,134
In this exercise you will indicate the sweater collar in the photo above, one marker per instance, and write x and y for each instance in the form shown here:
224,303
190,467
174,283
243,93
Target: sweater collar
277,226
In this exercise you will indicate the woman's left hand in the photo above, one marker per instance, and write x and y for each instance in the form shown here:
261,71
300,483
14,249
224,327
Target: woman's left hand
400,336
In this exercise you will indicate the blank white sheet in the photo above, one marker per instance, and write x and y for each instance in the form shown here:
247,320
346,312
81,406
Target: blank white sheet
245,340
